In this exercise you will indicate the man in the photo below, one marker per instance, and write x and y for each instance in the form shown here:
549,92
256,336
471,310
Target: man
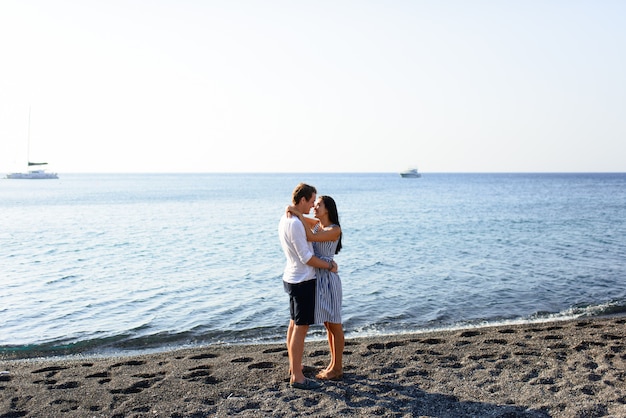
299,282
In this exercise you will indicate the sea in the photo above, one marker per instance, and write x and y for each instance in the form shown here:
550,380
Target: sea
115,264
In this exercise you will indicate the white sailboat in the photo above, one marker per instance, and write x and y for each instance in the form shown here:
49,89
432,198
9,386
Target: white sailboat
36,174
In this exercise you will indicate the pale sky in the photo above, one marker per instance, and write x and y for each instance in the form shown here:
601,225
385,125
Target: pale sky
313,86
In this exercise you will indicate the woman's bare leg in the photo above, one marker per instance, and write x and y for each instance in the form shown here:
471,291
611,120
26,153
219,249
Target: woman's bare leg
336,342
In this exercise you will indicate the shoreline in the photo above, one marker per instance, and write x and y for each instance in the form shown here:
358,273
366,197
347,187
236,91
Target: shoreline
571,368
47,352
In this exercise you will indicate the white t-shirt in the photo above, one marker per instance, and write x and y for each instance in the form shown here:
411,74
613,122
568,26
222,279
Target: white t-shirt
297,250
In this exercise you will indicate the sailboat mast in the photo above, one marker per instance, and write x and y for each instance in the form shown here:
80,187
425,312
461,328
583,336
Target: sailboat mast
32,174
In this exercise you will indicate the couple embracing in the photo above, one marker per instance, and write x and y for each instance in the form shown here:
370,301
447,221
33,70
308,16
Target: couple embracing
311,280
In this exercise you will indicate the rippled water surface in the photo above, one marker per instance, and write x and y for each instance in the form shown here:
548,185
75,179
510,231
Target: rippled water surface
111,262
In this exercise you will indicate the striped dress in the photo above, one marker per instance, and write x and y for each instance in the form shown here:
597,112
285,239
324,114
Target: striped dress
328,299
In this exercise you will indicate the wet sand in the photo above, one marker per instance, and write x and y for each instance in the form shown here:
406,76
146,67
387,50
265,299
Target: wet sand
568,369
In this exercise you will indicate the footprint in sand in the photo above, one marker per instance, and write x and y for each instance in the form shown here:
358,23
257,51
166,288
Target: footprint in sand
586,345
128,363
496,341
318,353
50,371
105,377
262,365
467,334
66,385
203,356
198,373
432,341
386,346
67,405
242,360
507,331
148,381
98,375
274,350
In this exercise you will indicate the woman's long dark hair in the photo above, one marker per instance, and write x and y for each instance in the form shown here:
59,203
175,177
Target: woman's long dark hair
333,215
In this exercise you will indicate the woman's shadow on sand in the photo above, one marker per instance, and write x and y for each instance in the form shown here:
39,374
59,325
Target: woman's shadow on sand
377,391
382,397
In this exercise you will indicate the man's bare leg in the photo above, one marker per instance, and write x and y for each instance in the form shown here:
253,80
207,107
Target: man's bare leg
296,350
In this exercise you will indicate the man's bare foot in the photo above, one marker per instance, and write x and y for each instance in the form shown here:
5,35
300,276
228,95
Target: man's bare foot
305,370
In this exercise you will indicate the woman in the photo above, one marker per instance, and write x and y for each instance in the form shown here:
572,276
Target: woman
324,232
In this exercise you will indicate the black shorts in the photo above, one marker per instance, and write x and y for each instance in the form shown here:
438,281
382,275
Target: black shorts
302,301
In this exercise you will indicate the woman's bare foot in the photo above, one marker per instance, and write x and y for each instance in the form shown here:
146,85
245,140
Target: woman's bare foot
330,375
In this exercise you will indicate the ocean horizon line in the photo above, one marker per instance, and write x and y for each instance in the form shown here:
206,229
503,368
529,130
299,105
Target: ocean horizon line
325,172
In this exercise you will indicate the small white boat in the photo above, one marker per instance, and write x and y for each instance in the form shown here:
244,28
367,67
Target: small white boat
37,174
411,173
33,174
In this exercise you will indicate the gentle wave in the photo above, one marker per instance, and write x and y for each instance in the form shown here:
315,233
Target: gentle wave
140,338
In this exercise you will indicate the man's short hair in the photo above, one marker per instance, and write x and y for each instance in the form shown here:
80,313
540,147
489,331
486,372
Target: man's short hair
302,190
